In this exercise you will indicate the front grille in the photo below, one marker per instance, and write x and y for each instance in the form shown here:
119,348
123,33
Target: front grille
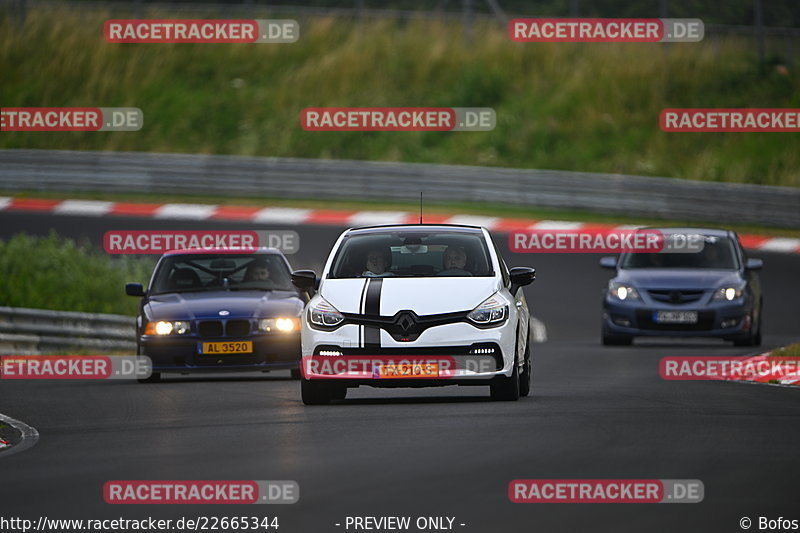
453,351
210,328
705,322
237,328
676,297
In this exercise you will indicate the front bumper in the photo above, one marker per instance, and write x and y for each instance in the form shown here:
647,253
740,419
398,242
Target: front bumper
181,354
462,346
727,320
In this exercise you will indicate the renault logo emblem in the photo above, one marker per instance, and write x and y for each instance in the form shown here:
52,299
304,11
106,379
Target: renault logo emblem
405,321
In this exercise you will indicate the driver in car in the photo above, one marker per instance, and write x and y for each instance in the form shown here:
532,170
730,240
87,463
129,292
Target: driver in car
454,261
257,271
377,263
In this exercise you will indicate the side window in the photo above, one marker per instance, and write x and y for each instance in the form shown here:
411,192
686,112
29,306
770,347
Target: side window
503,267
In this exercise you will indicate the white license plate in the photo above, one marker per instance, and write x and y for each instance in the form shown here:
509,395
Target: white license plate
675,317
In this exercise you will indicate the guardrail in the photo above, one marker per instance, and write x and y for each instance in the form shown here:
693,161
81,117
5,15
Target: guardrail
39,331
319,179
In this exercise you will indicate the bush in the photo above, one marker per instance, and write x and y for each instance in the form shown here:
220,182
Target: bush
59,274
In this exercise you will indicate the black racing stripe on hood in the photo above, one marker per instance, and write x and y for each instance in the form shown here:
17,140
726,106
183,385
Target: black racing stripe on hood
372,306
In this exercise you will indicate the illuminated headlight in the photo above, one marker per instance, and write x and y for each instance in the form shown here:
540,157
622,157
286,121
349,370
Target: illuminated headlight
325,315
621,291
491,311
164,327
728,293
284,325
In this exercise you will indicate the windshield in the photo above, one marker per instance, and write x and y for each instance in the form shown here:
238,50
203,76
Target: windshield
206,272
412,254
717,253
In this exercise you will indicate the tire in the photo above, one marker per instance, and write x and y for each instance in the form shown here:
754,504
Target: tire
295,373
315,393
525,377
752,339
339,393
757,336
503,389
617,340
155,377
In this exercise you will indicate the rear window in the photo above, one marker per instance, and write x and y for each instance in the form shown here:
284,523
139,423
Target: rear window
205,272
718,253
412,254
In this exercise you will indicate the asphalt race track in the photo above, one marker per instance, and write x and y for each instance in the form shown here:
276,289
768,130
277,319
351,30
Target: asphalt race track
595,412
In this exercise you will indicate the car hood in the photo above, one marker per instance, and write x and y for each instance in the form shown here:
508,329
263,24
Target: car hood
424,296
239,304
672,278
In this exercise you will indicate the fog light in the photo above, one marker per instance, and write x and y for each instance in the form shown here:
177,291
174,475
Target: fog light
330,353
624,322
729,322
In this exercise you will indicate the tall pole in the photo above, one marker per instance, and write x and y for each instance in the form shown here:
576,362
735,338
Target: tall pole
23,12
759,15
468,20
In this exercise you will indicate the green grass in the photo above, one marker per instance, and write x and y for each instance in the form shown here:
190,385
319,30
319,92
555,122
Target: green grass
586,107
54,273
793,350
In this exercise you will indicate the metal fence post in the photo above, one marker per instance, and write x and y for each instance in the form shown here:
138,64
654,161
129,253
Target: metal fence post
23,12
759,16
468,20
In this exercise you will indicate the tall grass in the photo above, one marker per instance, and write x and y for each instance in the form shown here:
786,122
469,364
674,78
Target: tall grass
589,107
55,273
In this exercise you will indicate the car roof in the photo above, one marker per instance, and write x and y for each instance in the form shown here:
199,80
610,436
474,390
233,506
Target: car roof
708,232
452,228
231,251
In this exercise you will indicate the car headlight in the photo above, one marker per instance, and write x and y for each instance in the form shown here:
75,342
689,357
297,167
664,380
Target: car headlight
622,291
282,325
728,293
167,327
492,311
325,315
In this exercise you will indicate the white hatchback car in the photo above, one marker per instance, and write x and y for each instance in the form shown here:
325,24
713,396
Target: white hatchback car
415,306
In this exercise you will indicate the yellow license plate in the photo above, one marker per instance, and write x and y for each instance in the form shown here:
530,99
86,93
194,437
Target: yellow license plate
408,371
221,348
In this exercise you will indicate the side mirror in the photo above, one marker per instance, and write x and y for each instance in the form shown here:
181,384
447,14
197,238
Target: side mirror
521,276
305,280
134,289
608,261
754,264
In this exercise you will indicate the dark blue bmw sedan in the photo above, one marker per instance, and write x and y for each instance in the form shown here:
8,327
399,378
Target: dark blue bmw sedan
711,293
220,311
